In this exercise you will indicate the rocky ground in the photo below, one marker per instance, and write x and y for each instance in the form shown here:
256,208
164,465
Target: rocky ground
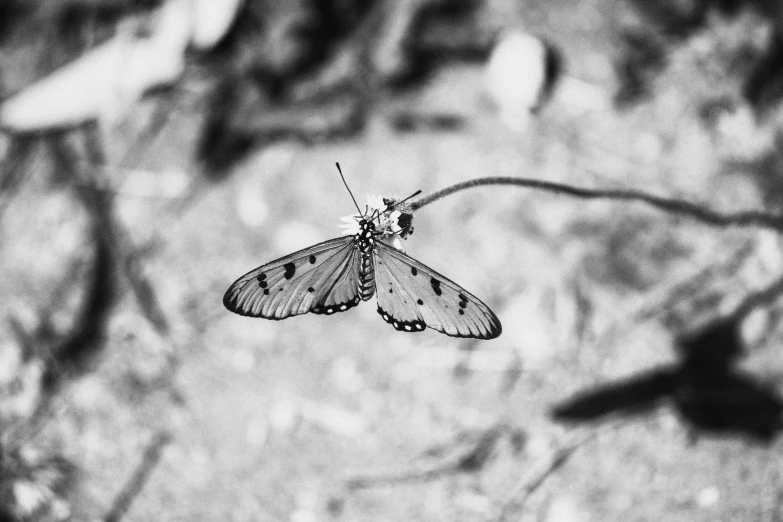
638,371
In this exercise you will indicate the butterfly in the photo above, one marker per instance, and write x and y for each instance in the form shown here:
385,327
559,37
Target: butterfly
336,275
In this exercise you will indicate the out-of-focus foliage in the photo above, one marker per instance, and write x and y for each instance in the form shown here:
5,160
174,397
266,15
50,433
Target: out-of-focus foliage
739,39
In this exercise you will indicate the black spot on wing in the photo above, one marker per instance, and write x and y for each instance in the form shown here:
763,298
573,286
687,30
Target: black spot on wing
414,271
263,284
311,289
261,277
420,301
435,283
312,259
290,270
266,291
463,304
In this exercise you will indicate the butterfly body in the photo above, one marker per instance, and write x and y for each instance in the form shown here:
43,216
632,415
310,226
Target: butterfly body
338,274
365,242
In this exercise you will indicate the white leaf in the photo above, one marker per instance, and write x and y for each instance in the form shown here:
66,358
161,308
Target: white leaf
213,18
104,82
516,76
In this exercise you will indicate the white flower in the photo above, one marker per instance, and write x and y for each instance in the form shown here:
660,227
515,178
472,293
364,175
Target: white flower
386,220
375,203
351,225
29,497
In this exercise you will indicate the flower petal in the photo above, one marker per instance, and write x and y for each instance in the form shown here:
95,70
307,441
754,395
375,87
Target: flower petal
375,203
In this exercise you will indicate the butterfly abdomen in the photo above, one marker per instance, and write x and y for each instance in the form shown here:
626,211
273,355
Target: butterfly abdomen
365,242
367,278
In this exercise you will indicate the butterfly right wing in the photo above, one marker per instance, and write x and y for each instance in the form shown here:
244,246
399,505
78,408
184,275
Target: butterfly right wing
412,295
322,279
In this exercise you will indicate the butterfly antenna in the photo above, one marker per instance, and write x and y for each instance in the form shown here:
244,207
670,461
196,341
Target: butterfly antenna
406,199
349,190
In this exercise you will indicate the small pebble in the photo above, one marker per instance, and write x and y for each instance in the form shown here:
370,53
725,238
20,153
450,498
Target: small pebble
335,419
539,445
257,431
28,497
303,515
708,497
283,416
346,375
243,360
251,207
564,509
474,502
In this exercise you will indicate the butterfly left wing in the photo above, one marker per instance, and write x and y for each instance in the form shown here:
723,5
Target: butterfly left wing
322,279
411,296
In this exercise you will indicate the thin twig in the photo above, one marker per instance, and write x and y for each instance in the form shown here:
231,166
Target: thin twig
528,485
13,169
759,299
135,484
750,218
86,175
403,476
129,256
72,353
469,457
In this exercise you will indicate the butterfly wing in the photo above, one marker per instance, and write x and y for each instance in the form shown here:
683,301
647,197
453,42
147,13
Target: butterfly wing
323,278
411,296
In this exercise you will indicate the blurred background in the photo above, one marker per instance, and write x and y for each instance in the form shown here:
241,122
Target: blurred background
153,151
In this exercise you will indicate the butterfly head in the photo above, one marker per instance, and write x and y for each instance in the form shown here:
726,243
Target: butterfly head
365,238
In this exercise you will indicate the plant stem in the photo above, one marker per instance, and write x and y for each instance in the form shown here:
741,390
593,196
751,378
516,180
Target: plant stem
750,218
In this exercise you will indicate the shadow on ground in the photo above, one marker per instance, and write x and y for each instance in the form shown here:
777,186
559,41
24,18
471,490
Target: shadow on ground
705,388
